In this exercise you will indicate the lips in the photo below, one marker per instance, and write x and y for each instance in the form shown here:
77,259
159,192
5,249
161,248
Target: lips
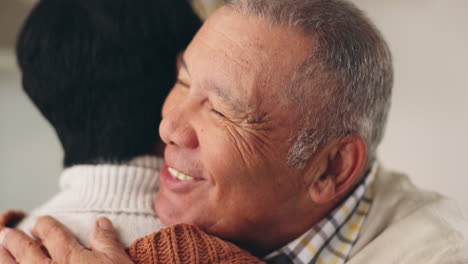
179,175
177,181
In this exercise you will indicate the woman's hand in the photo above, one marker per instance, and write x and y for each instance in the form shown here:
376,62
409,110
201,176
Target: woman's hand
10,218
60,245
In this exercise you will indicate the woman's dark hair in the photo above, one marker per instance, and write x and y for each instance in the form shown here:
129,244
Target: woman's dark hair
99,71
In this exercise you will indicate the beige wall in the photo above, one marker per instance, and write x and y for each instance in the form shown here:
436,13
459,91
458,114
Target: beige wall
12,13
426,136
29,153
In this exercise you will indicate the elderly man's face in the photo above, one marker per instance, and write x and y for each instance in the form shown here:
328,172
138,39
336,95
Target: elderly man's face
227,123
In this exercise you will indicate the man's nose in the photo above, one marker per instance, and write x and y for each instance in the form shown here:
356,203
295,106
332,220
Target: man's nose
176,128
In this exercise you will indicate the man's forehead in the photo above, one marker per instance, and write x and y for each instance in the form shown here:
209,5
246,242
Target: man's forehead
224,32
259,41
249,54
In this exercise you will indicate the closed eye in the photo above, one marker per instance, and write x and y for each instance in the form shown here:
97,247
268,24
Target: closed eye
210,106
217,113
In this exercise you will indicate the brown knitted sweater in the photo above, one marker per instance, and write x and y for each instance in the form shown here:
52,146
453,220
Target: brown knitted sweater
177,244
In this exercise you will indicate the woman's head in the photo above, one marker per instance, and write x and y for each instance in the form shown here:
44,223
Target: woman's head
99,70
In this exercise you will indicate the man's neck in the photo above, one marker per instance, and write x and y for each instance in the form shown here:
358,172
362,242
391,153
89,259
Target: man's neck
278,236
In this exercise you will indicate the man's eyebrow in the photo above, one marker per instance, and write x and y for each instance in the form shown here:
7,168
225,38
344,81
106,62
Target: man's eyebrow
224,95
235,103
239,107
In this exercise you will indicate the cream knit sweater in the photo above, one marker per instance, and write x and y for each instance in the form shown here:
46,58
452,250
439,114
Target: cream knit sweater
123,193
407,225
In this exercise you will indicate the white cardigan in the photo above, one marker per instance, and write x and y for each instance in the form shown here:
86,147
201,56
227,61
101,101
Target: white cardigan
123,193
407,225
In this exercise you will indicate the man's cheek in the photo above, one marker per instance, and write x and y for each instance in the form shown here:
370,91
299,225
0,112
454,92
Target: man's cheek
242,146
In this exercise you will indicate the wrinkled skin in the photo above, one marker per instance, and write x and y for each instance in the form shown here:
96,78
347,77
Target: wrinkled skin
228,123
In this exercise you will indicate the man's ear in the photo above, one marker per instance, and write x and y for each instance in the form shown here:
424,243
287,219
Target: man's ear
344,160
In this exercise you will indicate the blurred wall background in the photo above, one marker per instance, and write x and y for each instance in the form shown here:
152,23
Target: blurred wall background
427,131
29,152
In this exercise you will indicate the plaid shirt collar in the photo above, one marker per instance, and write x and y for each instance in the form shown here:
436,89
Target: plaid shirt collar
331,239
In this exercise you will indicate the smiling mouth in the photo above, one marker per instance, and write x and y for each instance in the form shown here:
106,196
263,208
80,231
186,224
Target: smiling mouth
179,175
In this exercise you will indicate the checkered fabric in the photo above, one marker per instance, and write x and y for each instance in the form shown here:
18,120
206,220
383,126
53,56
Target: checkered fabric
330,240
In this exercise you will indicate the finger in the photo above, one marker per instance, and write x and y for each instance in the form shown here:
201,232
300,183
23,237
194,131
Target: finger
6,257
56,238
11,218
21,247
104,240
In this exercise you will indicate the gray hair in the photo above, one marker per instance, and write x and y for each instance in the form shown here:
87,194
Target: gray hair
345,85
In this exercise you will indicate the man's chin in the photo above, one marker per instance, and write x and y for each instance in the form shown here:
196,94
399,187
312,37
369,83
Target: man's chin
165,211
169,211
172,210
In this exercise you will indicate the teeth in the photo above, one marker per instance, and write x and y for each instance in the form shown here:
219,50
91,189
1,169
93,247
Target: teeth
180,175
